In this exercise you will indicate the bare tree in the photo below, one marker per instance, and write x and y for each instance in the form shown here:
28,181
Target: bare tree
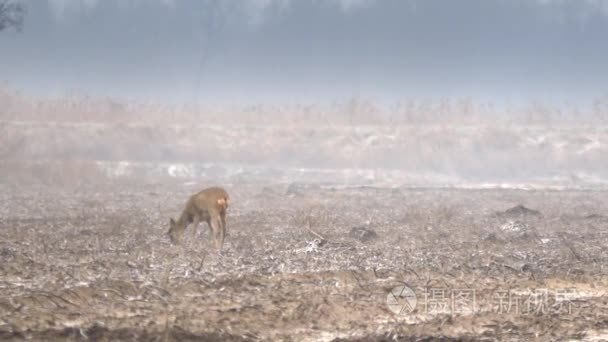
11,14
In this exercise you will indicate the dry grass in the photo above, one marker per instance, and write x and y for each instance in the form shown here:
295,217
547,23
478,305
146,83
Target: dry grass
95,262
355,111
85,256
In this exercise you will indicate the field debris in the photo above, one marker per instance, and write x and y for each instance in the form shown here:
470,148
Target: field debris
362,234
95,263
312,246
515,227
521,212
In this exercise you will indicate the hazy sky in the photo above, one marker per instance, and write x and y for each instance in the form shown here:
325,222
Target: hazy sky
261,50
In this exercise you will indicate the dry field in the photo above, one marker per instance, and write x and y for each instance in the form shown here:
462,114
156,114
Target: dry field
94,263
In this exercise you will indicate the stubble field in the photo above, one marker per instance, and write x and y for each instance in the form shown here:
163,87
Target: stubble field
94,263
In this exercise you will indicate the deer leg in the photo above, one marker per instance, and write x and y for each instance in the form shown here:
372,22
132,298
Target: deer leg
223,218
218,232
223,226
211,232
195,223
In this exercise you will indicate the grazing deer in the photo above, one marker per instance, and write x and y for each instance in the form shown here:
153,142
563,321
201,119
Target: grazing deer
208,205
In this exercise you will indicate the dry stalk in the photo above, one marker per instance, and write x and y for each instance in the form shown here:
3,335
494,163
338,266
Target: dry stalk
309,227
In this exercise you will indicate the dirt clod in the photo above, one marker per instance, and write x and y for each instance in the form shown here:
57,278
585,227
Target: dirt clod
519,211
363,234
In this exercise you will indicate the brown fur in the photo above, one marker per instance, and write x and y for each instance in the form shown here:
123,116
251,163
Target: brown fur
209,205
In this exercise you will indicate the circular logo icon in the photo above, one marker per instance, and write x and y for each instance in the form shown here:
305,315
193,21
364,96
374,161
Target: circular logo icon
401,300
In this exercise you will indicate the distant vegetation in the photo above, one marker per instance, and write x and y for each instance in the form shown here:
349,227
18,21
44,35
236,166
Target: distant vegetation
354,111
415,141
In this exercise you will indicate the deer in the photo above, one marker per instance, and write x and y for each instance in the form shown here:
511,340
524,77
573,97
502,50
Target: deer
208,205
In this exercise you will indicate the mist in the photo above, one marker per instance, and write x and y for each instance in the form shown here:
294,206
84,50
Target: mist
388,93
305,51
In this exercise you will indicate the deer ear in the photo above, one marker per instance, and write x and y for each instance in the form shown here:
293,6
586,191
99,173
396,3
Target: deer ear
171,221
